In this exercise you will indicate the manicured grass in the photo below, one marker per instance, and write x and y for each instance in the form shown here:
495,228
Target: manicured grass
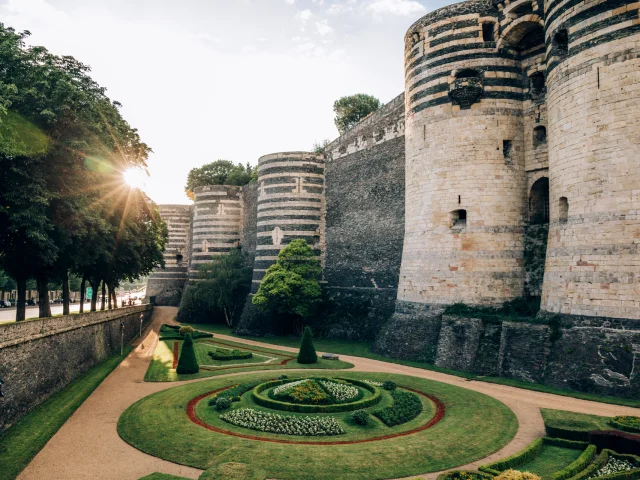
25,439
474,426
550,460
162,476
575,421
363,349
161,366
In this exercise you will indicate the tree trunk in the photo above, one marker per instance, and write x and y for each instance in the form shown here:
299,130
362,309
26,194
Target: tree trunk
22,297
82,292
43,293
104,294
109,297
94,295
115,297
65,293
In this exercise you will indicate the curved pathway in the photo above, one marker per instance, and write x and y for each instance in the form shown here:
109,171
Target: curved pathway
88,445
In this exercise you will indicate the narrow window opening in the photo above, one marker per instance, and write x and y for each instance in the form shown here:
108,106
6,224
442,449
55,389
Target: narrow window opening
561,42
179,259
539,136
468,73
487,32
458,219
506,148
539,202
537,84
459,199
564,209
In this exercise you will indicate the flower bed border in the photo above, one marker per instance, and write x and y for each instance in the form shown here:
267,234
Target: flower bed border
191,413
176,351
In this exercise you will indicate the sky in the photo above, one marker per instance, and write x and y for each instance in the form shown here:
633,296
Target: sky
209,79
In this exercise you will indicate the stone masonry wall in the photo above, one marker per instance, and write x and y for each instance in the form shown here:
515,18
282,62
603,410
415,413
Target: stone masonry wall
40,357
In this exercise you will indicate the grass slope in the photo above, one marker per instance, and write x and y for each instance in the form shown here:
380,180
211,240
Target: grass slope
474,426
25,439
363,349
161,366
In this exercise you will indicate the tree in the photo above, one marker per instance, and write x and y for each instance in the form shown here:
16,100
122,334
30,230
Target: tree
187,363
225,282
220,172
320,147
290,286
350,110
307,352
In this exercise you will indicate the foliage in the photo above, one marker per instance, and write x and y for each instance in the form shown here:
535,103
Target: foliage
321,147
373,383
284,425
627,423
614,465
307,392
351,109
620,442
406,406
187,363
234,393
172,332
223,403
223,285
464,475
282,377
607,455
290,286
516,475
518,308
361,418
307,353
227,354
389,385
220,172
186,329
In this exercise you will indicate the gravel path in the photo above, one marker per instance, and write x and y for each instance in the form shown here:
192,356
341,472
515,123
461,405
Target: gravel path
88,446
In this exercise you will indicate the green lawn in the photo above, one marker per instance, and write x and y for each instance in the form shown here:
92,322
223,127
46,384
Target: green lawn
363,349
474,426
161,366
162,476
25,439
550,460
575,421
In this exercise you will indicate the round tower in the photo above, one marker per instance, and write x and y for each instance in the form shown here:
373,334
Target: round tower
291,204
465,167
593,82
216,224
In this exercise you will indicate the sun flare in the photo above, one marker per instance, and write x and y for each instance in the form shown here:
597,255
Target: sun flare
135,178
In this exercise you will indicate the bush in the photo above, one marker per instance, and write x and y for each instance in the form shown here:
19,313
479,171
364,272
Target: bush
603,459
234,393
464,475
626,423
406,406
186,329
389,385
233,471
222,403
187,364
283,377
360,418
516,475
172,332
224,354
307,354
620,442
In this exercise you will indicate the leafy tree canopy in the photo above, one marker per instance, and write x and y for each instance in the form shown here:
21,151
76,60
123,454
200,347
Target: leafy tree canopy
220,172
350,110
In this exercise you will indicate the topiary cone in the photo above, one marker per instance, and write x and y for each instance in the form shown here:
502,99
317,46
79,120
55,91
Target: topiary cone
187,364
307,352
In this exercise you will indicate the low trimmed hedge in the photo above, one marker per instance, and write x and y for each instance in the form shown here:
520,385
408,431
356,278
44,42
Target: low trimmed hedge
567,433
626,423
602,459
172,332
406,406
529,453
464,475
224,354
620,442
267,402
577,465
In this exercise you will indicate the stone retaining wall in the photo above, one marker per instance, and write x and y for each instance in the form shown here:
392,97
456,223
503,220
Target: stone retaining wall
38,358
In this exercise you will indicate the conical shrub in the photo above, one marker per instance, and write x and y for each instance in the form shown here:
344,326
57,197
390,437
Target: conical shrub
307,352
187,364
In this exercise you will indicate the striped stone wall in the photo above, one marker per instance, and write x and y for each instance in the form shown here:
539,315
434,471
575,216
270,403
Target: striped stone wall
291,205
167,284
216,223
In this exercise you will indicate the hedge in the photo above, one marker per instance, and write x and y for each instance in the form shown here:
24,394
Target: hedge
618,423
602,459
294,407
172,332
567,433
464,474
620,442
529,453
224,354
577,465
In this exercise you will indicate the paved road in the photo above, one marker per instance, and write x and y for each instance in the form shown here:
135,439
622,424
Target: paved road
88,445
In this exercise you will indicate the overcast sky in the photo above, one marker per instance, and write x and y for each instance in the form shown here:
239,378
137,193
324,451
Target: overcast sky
234,79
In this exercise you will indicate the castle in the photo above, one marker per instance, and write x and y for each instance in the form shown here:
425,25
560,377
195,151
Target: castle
509,167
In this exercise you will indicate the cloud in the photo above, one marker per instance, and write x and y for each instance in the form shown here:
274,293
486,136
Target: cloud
323,28
395,7
340,8
289,2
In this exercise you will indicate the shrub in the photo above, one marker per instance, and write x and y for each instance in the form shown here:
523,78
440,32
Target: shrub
516,475
283,377
361,418
307,354
603,459
225,354
234,393
389,385
187,364
186,329
406,406
615,440
172,332
464,475
222,403
306,392
626,423
285,425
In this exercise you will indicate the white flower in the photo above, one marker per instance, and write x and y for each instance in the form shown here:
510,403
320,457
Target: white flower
287,425
340,391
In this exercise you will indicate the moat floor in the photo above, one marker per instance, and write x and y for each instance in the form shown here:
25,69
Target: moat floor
88,445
